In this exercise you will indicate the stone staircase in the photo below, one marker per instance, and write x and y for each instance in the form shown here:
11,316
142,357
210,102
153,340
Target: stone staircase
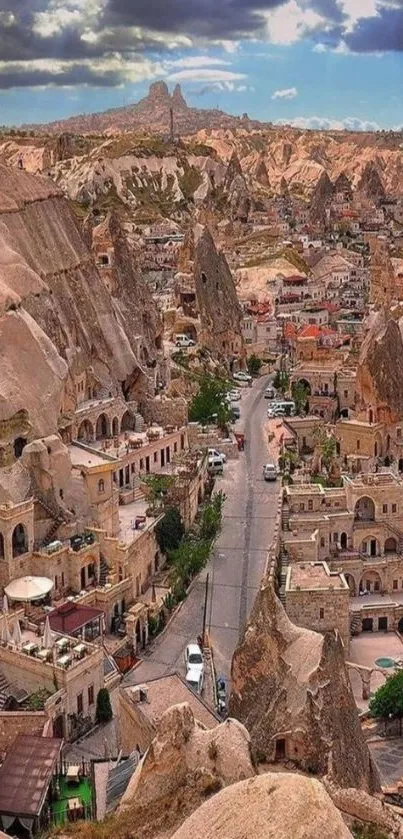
139,424
355,624
283,566
285,518
103,571
59,518
8,689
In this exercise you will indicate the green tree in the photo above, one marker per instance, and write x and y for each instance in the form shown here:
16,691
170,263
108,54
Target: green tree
388,699
210,401
300,394
254,365
104,707
187,561
212,516
281,381
327,445
170,530
158,485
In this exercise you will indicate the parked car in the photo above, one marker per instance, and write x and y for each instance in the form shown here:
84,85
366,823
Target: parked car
241,376
215,453
270,393
215,465
270,472
183,341
236,412
233,395
195,679
273,412
194,658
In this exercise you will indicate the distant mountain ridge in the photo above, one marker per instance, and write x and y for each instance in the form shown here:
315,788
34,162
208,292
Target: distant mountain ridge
152,113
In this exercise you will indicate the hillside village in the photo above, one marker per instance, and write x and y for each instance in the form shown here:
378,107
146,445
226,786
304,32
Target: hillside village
201,472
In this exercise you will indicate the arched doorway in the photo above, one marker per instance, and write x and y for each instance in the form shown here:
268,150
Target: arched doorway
20,540
364,509
1,546
102,427
85,432
343,541
115,427
378,446
371,582
401,464
19,446
391,545
128,422
306,385
351,584
370,546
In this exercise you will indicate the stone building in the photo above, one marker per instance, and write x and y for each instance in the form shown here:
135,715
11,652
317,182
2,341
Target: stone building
318,599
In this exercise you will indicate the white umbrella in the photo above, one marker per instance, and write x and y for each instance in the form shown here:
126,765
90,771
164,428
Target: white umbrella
16,634
5,635
48,639
26,589
5,603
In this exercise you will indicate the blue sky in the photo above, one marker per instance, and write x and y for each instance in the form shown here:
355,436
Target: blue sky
313,63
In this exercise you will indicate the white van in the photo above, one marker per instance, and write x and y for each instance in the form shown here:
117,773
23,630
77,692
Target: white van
183,341
215,465
288,406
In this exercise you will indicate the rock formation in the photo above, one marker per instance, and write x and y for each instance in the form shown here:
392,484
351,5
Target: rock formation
260,173
220,312
380,372
370,184
184,764
291,690
342,184
271,806
321,196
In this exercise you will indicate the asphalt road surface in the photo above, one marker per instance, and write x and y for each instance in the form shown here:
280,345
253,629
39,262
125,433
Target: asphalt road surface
238,561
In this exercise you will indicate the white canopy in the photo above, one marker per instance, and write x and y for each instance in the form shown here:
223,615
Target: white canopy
26,589
48,639
16,636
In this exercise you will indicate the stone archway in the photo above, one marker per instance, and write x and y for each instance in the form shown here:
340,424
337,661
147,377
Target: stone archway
390,545
371,581
103,427
351,584
128,422
85,432
364,509
19,540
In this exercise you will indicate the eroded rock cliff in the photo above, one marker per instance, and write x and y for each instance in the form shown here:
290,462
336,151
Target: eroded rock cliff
380,372
291,690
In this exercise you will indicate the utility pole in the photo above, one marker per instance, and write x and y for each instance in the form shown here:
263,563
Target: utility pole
205,608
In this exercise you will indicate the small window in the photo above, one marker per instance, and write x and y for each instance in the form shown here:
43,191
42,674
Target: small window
155,457
321,614
80,704
175,448
395,584
346,394
182,441
394,508
358,445
141,463
384,508
101,485
310,504
322,541
302,506
90,695
335,537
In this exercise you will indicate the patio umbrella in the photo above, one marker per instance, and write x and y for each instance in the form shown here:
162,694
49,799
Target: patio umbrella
16,634
5,635
5,603
48,639
26,589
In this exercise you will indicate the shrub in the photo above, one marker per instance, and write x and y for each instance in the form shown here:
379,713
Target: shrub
254,365
104,707
170,530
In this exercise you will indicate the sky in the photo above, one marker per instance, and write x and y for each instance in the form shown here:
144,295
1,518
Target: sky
309,63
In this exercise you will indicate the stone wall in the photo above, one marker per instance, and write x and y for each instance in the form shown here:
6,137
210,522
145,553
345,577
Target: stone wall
134,727
164,411
304,608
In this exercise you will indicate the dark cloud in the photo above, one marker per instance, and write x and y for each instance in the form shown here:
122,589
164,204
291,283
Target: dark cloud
77,75
383,33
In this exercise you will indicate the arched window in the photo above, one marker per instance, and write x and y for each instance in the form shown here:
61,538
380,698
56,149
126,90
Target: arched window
20,540
101,485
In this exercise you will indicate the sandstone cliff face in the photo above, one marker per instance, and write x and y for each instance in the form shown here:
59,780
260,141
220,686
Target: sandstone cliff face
321,196
291,690
55,311
271,806
379,372
370,183
218,305
184,764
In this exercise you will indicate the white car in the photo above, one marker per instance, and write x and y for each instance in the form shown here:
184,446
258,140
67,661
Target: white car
194,658
195,679
270,472
241,376
234,395
213,453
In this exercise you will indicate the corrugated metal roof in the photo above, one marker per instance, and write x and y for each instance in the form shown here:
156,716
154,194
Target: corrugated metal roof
26,773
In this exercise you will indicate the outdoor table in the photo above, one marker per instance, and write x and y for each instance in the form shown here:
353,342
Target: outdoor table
79,650
73,775
64,660
30,647
44,654
62,644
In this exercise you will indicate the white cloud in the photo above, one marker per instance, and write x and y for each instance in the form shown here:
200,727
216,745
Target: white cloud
326,124
64,14
205,74
196,61
287,93
357,9
289,23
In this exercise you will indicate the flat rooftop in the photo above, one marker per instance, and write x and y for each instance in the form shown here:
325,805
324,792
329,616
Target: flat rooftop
305,489
314,576
26,773
170,690
374,479
81,456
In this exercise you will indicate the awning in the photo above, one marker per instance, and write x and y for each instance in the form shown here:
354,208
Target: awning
26,589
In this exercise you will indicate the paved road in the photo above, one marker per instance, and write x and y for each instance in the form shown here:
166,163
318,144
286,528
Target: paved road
237,565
